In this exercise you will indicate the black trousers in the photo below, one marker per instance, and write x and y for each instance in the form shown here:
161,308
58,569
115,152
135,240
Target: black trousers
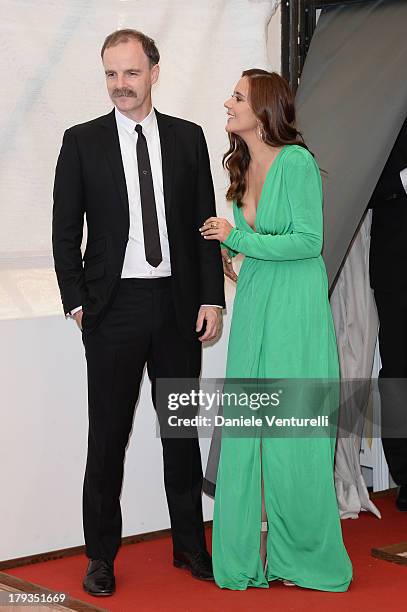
392,311
138,328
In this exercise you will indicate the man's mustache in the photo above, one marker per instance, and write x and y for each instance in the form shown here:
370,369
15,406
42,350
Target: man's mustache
124,92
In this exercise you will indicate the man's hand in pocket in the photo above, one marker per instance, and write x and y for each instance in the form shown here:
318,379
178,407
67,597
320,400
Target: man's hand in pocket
78,318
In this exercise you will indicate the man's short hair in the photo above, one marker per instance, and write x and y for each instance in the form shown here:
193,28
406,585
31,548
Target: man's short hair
121,36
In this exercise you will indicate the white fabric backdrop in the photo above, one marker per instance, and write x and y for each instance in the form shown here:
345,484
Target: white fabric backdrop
356,324
50,54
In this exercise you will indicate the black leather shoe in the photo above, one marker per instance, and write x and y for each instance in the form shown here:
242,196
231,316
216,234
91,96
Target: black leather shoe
401,501
99,580
200,564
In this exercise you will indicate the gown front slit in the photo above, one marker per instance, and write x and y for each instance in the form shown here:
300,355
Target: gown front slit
281,328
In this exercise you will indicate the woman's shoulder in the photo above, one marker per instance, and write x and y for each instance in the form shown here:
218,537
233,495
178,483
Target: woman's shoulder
298,155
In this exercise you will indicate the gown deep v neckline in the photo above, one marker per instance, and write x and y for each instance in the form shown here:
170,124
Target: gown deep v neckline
253,229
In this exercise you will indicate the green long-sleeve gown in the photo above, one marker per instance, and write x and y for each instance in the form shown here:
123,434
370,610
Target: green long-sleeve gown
281,327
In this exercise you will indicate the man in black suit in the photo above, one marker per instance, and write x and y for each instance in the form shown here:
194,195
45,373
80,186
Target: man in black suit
150,290
388,279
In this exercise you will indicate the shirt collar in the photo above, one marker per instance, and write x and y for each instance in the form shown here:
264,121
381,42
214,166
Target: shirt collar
129,125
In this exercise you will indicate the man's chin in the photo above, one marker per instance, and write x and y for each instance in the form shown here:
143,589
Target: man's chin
127,104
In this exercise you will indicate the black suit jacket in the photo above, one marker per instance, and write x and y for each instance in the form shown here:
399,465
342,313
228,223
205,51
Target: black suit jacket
388,244
90,180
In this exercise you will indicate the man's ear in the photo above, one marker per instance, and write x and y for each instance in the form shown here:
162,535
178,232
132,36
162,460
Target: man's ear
155,71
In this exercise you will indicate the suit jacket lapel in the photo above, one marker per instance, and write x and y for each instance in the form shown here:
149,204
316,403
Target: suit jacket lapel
111,146
167,140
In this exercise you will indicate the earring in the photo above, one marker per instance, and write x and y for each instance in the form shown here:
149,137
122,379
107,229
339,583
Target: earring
261,134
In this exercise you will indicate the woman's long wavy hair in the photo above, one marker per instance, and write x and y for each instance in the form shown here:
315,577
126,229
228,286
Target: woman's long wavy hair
272,102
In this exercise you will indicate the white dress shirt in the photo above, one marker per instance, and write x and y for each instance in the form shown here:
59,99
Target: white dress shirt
135,264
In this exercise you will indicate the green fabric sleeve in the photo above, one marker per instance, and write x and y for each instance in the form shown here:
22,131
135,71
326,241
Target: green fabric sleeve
231,252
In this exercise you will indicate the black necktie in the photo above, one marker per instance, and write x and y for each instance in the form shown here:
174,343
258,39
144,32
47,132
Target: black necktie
152,244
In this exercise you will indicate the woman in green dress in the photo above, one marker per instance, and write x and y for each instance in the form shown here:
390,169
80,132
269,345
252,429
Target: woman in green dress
281,328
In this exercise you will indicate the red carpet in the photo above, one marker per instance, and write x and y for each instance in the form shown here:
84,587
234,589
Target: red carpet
146,581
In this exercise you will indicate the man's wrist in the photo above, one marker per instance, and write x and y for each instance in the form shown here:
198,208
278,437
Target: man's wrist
71,313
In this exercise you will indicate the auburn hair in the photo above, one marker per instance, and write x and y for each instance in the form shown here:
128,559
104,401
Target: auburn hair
272,102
